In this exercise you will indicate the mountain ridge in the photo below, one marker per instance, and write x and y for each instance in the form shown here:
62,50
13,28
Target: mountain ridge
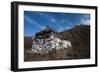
79,32
79,36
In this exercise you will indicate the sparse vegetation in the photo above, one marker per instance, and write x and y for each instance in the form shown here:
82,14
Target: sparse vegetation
80,40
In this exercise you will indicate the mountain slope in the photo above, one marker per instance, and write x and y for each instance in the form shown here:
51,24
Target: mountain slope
80,39
79,36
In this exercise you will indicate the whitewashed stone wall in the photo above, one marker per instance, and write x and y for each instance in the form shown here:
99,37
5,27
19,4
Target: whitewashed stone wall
44,46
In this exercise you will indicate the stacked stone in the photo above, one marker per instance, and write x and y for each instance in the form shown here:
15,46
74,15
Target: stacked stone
46,41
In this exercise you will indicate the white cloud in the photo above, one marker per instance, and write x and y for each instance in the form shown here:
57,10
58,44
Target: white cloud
68,27
85,21
86,16
52,19
33,22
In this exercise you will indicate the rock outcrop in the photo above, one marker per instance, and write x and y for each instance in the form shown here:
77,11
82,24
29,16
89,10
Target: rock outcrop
47,40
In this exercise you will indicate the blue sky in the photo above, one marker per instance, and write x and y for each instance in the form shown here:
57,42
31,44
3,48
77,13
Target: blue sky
36,21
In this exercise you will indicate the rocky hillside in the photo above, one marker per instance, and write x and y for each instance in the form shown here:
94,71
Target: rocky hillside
79,36
27,42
